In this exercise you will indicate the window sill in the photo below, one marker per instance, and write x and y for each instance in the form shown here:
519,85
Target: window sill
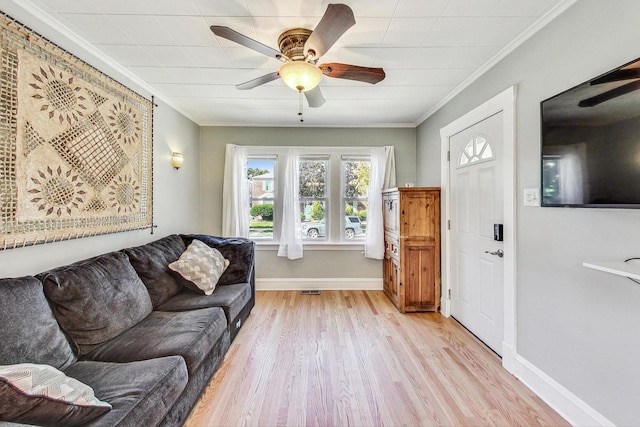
315,246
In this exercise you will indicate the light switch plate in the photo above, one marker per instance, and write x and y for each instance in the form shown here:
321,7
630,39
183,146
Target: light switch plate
531,197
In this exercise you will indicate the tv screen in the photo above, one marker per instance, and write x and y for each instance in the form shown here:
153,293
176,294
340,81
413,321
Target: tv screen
591,142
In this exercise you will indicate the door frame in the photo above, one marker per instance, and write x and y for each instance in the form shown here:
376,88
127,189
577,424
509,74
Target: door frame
503,102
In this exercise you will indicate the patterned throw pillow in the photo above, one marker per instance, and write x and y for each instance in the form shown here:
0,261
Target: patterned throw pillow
41,394
200,266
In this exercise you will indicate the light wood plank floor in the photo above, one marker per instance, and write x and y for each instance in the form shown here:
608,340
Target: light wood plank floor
348,358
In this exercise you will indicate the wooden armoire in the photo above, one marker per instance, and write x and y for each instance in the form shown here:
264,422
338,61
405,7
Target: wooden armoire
411,267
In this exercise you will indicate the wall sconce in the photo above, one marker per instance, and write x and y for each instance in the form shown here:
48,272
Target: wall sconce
177,159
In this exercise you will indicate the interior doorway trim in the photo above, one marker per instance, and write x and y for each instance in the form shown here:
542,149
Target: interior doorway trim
505,102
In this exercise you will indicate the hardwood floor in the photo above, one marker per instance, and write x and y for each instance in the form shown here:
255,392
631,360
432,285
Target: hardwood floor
348,358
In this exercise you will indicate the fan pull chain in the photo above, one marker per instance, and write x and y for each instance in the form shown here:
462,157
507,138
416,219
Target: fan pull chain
300,106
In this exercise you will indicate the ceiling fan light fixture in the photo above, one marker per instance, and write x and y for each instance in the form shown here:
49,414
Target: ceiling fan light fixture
300,76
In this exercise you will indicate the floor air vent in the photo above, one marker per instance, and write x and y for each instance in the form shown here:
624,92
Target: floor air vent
310,292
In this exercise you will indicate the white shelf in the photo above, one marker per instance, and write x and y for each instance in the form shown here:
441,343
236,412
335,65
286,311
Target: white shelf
620,268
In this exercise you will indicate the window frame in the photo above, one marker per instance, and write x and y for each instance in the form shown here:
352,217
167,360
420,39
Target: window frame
334,192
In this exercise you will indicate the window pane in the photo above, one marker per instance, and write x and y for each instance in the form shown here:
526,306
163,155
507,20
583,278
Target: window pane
260,173
313,218
313,178
355,197
356,178
477,149
355,219
487,153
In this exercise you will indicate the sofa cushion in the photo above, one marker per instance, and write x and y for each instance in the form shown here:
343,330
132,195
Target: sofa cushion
151,263
240,253
41,394
141,393
96,299
200,267
34,335
190,334
232,299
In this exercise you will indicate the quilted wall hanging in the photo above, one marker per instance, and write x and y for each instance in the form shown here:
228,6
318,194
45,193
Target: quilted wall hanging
75,146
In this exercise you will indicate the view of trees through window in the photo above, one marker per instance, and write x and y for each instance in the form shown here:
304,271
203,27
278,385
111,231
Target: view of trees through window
356,174
312,187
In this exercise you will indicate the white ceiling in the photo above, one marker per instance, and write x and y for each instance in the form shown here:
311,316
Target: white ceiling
429,50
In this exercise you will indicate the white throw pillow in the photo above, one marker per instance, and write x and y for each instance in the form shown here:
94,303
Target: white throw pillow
35,393
201,267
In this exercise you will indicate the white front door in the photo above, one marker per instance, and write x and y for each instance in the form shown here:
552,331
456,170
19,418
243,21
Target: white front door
476,204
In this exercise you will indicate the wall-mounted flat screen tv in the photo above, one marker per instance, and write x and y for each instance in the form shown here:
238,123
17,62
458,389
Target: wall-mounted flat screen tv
591,142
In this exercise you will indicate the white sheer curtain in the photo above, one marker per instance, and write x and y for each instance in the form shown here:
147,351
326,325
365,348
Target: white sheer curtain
291,236
235,193
382,176
571,174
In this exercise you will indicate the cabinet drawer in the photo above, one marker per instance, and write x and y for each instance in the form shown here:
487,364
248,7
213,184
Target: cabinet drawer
392,246
393,251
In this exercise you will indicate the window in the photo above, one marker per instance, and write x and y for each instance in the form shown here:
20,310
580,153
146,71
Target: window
261,174
333,186
477,149
355,195
324,186
551,171
312,188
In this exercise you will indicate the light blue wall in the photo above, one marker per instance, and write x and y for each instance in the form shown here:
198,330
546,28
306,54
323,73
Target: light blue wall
577,325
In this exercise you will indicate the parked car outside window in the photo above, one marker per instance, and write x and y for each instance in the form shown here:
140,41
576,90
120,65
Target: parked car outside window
315,230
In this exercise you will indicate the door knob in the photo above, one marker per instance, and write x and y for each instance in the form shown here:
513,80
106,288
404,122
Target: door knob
498,253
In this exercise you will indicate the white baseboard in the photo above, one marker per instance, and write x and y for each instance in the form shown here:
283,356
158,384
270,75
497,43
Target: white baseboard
326,284
509,358
564,402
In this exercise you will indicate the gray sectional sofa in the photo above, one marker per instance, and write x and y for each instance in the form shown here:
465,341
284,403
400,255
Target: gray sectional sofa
123,324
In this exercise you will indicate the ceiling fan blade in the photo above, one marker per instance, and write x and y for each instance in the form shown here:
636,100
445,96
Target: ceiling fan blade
314,97
337,19
234,36
618,75
353,72
610,94
259,81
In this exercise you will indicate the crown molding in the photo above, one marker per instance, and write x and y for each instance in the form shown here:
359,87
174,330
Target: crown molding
503,53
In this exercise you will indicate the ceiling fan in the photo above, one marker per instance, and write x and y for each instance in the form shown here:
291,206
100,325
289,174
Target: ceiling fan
621,74
300,50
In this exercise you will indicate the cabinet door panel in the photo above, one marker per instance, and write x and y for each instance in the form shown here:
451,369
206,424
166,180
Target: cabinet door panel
420,278
391,279
395,283
391,212
420,215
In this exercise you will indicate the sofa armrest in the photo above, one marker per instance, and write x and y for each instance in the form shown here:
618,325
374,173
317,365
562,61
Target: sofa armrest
239,251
